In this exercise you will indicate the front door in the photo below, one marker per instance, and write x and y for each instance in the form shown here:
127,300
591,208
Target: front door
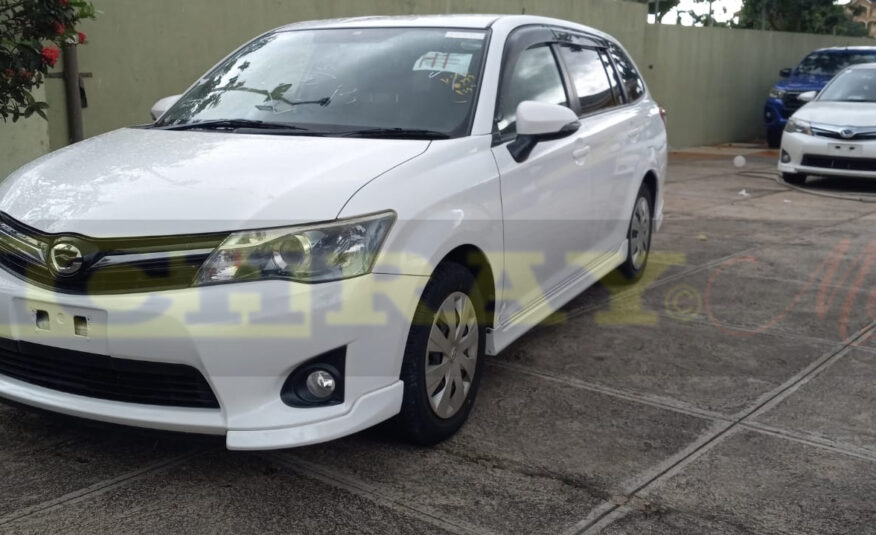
547,197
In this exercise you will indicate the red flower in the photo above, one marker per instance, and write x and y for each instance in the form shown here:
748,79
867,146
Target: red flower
51,55
60,28
64,3
9,73
82,38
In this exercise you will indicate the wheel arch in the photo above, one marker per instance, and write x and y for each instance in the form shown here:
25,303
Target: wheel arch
650,180
477,262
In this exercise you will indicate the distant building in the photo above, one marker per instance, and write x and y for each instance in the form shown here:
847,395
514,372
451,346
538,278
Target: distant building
867,16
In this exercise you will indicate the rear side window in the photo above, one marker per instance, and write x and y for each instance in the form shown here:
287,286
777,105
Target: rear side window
830,63
632,81
592,82
536,76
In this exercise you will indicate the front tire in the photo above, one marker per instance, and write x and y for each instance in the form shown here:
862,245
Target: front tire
639,235
795,179
443,357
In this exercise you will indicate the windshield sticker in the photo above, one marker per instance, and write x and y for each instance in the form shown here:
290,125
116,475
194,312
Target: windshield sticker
444,62
465,35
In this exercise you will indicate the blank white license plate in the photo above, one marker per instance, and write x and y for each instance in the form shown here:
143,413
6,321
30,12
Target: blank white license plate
846,149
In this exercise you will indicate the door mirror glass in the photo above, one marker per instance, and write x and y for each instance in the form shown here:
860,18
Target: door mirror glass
808,96
161,107
785,73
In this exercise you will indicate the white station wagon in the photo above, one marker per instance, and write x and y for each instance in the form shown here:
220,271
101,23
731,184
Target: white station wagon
331,228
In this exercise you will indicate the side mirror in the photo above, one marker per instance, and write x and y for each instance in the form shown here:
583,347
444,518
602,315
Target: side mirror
537,122
161,107
808,96
786,73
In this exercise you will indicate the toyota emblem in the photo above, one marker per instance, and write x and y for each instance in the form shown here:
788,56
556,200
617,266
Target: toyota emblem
847,133
65,259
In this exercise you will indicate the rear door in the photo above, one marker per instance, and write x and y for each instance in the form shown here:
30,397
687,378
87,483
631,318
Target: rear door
641,126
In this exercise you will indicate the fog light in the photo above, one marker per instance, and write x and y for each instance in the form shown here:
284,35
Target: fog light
786,158
320,384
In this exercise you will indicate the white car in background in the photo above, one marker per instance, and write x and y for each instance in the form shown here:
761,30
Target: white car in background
331,228
835,133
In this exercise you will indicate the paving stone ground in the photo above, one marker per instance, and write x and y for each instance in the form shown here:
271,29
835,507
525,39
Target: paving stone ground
731,391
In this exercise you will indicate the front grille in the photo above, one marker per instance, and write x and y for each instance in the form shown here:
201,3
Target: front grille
98,376
110,266
791,103
842,164
836,135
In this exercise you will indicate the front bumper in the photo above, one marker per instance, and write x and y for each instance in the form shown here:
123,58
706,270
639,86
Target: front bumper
797,146
774,114
244,338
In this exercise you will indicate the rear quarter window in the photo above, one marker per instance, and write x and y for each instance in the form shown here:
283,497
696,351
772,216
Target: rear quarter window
635,87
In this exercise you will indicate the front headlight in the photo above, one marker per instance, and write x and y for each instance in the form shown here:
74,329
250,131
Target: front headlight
777,93
315,253
798,126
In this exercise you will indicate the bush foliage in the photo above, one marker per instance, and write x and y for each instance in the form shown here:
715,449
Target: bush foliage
31,34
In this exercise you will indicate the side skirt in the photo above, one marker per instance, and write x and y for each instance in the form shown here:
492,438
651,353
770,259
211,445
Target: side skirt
529,317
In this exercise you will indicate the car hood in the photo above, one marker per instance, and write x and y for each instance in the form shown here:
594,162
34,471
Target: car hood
144,182
855,114
804,83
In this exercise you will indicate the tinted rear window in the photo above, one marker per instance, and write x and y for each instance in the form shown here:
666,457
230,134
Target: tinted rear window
830,63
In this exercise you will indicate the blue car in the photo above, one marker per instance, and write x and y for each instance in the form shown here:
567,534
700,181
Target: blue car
812,74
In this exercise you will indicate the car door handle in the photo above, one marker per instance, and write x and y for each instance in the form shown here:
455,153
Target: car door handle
634,134
580,155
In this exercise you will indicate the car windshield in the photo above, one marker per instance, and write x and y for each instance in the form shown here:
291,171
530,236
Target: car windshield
830,63
857,85
342,81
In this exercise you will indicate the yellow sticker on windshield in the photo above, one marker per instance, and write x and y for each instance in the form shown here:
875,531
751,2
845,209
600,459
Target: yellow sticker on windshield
444,62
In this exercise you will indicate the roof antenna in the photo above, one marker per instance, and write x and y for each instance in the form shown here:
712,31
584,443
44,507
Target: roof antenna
524,11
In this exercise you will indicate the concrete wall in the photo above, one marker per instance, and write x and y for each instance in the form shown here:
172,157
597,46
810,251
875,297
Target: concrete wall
23,141
713,81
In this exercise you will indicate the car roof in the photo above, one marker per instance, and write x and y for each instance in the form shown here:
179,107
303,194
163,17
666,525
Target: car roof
469,21
862,67
841,49
457,21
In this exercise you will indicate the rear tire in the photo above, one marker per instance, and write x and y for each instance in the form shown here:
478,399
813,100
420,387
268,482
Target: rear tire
639,235
795,179
443,358
774,138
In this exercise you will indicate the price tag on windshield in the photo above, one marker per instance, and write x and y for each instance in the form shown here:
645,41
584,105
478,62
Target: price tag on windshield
444,62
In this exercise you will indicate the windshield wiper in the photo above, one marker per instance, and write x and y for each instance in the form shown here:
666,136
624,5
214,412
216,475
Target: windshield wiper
234,124
400,133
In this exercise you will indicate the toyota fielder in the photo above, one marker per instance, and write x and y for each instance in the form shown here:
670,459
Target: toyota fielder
835,133
329,229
